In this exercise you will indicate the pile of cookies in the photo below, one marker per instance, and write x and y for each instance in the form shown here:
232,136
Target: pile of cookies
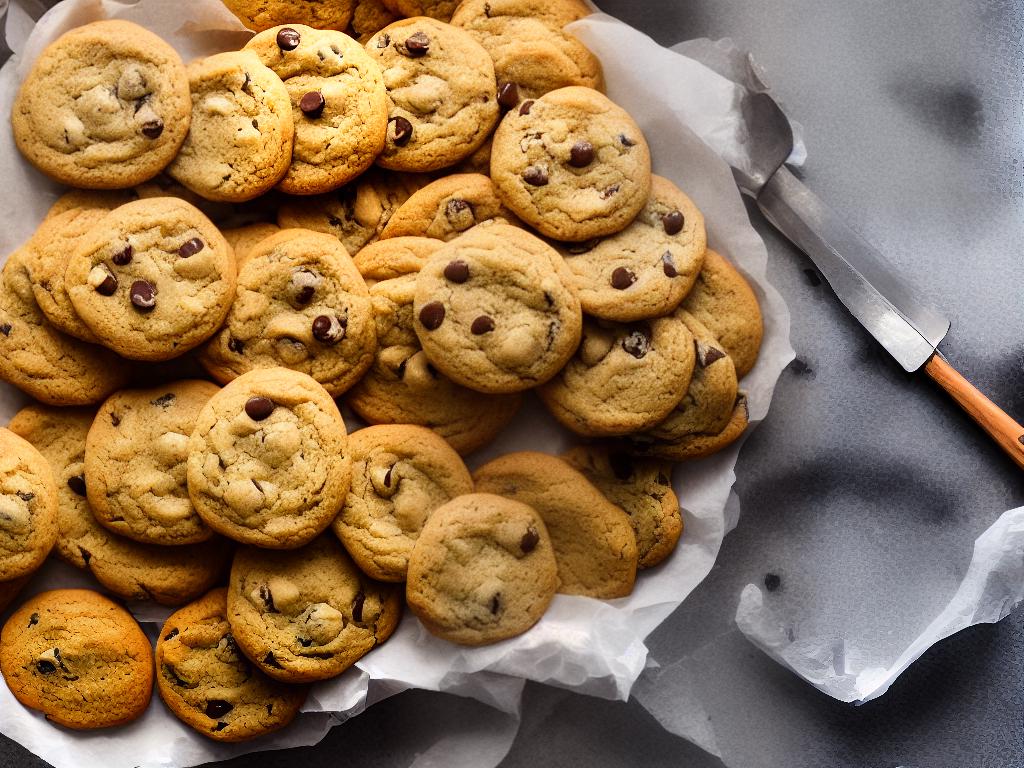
423,219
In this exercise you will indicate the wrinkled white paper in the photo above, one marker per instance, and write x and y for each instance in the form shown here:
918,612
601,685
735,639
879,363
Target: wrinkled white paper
585,645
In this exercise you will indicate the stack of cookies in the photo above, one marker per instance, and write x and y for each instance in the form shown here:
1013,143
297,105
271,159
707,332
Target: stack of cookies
423,219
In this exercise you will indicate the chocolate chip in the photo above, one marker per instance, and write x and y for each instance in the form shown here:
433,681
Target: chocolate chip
288,39
115,420
609,191
270,709
312,104
575,249
482,325
457,271
172,634
626,141
124,256
246,83
772,582
33,619
218,708
673,222
621,464
163,401
267,597
460,214
536,176
143,294
387,476
86,554
384,40
257,409
495,604
399,130
77,484
191,247
46,667
152,129
527,106
328,329
637,343
107,286
417,44
236,345
706,355
508,95
622,278
581,155
357,607
25,496
432,315
529,541
669,264
305,642
220,726
5,329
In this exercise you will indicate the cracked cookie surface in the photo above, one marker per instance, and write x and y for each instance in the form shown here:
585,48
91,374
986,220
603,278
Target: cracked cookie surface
106,106
446,208
268,461
308,614
79,658
28,507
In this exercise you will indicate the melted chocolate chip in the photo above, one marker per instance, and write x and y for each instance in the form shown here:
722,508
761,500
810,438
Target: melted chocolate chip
152,129
529,541
673,222
124,256
432,315
220,726
259,408
33,619
495,604
328,329
417,44
46,667
357,607
5,329
621,464
581,155
288,39
457,271
772,582
218,708
163,401
575,249
115,420
527,106
312,104
172,634
77,485
626,141
708,355
668,264
622,278
535,176
400,131
236,345
268,598
482,325
191,247
637,343
508,95
143,294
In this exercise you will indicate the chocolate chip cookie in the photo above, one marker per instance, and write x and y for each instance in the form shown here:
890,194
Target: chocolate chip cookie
593,540
106,106
268,461
495,312
309,614
28,507
394,257
103,199
648,268
400,475
239,144
338,102
129,569
554,13
624,378
153,279
259,15
78,658
368,18
572,164
437,9
206,681
301,304
448,207
440,93
483,570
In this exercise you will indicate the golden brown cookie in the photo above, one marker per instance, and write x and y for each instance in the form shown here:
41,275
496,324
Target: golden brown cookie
446,208
28,507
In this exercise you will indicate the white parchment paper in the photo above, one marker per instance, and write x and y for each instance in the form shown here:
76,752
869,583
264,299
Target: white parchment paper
586,645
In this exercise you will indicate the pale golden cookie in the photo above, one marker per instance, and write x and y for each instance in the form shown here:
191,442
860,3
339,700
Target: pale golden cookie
28,507
448,207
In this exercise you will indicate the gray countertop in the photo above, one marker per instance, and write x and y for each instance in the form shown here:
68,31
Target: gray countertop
914,118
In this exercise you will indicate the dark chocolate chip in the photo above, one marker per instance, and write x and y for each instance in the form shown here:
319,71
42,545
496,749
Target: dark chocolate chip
5,329
312,104
708,355
575,249
609,191
669,264
191,247
637,343
143,294
25,496
77,484
245,89
218,708
46,667
288,39
457,271
152,129
220,726
772,582
400,131
417,44
328,329
626,141
384,40
1021,439
236,345
33,619
673,222
529,541
259,408
581,155
115,420
270,709
432,315
535,176
357,607
527,106
495,604
305,642
508,95
172,634
622,278
163,401
482,325
108,286
456,211
86,555
621,464
124,256
387,476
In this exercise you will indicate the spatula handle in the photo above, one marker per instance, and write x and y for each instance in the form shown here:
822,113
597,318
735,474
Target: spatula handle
990,417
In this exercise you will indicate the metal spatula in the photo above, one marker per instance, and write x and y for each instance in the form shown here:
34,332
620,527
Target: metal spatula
866,283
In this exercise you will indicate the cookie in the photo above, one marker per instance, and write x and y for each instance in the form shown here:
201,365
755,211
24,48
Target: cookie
440,94
268,461
105,106
400,475
259,15
357,213
133,571
42,362
9,590
338,101
301,304
243,239
554,13
647,269
697,445
239,144
572,164
28,507
593,540
403,387
368,18
624,378
724,302
135,456
208,684
394,257
309,614
532,58
78,658
448,207
437,9
483,570
495,312
103,199
640,487
153,279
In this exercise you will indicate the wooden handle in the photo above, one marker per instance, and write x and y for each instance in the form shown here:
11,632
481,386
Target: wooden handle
1000,427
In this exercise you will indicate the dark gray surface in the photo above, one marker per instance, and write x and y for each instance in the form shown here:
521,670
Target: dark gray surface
914,117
